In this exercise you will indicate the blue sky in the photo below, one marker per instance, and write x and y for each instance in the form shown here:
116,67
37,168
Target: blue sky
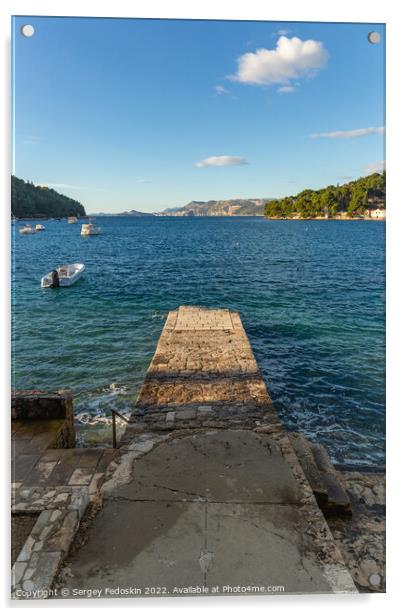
148,114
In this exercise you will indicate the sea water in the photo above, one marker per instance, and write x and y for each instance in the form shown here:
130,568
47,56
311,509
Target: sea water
311,295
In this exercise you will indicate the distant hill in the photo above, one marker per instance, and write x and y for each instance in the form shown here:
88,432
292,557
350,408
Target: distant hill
359,198
30,201
135,213
229,207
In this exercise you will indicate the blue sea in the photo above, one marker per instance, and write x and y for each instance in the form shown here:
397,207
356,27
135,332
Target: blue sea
311,295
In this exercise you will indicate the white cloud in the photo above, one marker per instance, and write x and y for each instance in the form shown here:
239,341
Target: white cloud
351,134
142,181
291,59
282,32
222,161
378,167
221,90
286,89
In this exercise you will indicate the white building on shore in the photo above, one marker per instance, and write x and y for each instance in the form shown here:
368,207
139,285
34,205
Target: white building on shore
378,213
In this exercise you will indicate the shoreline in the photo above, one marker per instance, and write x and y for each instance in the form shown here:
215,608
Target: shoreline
17,220
320,218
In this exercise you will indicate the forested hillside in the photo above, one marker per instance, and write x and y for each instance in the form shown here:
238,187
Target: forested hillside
30,201
353,198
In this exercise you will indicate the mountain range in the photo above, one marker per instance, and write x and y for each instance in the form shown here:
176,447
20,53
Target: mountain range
228,207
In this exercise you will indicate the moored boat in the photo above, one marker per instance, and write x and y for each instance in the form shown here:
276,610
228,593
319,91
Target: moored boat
72,220
27,230
90,228
39,227
63,276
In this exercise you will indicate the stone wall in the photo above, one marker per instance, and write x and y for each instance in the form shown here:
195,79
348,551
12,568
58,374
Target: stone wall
35,404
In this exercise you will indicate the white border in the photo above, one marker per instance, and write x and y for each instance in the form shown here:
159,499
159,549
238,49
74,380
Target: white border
286,10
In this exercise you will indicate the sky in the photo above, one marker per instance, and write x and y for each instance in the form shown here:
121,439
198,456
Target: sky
127,114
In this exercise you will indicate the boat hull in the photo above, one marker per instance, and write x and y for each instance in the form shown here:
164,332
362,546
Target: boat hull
27,231
68,275
88,229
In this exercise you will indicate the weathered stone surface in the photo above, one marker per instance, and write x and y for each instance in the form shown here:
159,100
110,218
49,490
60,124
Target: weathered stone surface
60,540
310,469
45,570
361,538
241,536
17,572
213,508
338,502
193,318
235,465
142,544
203,370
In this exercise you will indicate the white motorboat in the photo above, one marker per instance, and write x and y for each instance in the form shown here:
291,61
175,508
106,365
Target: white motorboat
39,227
72,220
27,230
63,276
90,228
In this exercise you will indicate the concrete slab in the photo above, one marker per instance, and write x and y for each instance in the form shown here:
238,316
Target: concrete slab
262,546
218,466
142,544
212,509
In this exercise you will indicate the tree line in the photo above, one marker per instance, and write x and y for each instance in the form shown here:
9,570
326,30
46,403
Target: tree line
353,198
30,201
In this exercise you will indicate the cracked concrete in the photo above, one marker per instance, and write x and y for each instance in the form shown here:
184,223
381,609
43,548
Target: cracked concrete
247,523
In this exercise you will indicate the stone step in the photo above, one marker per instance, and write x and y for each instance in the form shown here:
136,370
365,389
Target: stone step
322,476
338,501
305,456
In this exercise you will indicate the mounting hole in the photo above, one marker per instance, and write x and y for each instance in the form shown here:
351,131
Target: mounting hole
27,30
374,37
374,579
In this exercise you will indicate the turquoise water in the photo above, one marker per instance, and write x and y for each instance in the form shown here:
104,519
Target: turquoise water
310,293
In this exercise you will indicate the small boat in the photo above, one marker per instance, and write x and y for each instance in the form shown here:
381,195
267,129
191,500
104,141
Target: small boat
90,228
27,229
72,220
63,276
39,228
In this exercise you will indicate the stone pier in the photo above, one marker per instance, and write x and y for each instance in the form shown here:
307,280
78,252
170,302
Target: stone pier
207,496
203,374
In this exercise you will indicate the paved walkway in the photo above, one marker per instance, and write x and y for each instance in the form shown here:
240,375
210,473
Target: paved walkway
208,495
37,463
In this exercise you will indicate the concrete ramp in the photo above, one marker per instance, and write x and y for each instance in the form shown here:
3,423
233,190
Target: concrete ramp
208,496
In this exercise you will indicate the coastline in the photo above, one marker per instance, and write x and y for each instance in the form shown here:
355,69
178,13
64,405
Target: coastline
212,216
344,218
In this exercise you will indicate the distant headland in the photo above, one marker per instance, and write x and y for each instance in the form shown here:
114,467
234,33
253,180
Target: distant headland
228,207
362,198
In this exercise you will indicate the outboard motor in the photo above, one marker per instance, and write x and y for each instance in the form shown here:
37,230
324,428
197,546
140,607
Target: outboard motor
55,279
